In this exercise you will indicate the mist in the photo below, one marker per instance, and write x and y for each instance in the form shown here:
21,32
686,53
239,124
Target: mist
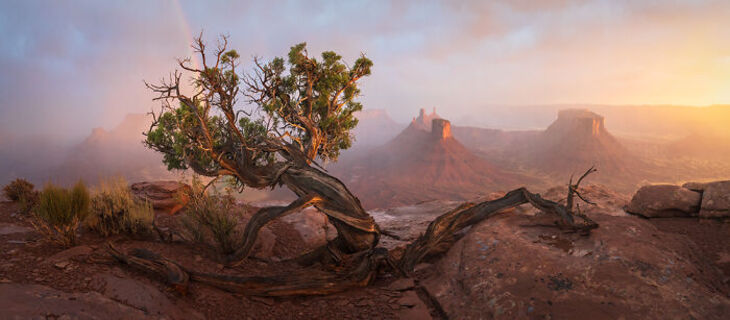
502,65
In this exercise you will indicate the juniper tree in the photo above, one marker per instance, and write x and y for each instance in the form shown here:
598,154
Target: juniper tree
273,126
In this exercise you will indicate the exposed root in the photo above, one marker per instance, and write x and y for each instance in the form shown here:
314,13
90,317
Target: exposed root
363,268
357,269
153,263
440,233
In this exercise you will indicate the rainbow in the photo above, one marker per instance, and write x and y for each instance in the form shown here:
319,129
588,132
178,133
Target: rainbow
187,32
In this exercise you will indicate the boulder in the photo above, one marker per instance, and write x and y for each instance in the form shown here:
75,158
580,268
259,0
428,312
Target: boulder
163,195
293,235
514,266
716,200
312,225
661,201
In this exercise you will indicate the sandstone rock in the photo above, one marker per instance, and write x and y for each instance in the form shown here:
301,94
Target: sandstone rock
412,307
70,253
24,301
142,296
408,222
660,201
402,284
163,195
265,242
695,186
8,228
510,267
716,200
312,226
293,235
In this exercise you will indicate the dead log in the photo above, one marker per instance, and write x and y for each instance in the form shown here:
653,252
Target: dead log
153,263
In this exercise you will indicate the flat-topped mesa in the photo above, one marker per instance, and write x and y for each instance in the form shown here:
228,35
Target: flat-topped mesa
579,121
440,128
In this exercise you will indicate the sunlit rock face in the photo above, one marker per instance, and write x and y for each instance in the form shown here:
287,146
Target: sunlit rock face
441,129
580,122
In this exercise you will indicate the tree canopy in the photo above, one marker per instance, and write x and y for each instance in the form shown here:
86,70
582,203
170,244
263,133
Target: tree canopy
301,110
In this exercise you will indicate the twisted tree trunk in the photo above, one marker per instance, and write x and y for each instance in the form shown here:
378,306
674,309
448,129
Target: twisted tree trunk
355,249
356,229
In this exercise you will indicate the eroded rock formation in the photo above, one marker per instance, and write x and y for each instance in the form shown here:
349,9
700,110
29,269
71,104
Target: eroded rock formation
706,200
424,120
578,138
422,163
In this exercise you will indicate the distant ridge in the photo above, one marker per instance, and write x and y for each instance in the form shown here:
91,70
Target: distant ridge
119,151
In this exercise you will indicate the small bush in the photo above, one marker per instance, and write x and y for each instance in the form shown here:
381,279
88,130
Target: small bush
28,202
18,189
212,216
59,212
114,210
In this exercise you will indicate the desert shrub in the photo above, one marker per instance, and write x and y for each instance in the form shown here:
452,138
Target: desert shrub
211,216
59,211
114,210
27,202
18,189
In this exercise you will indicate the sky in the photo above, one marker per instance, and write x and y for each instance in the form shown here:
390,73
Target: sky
69,66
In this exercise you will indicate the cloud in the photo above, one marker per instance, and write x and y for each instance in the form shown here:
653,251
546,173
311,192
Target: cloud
73,66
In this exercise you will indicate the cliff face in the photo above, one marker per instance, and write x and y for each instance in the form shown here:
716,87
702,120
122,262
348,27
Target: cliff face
441,129
575,141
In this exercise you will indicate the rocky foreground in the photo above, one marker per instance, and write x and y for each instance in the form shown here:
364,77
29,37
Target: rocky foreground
515,265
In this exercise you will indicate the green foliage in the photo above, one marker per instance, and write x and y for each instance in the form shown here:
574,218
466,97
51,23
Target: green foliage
18,189
176,145
59,211
329,88
212,217
114,210
302,111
